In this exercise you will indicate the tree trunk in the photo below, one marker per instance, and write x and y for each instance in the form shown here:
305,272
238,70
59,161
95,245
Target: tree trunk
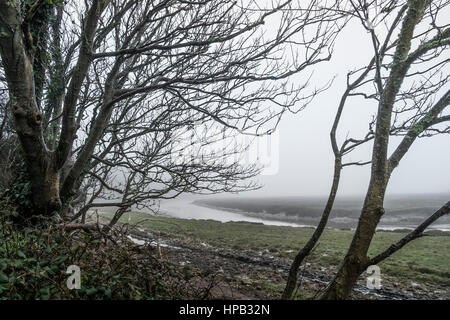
18,54
356,257
18,66
44,176
45,189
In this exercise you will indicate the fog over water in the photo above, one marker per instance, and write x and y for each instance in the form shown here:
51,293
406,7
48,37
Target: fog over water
402,212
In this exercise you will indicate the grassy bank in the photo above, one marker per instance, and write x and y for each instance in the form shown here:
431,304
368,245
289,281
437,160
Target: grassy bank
425,260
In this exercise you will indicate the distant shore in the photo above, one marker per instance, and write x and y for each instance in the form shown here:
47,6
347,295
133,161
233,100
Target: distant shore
346,219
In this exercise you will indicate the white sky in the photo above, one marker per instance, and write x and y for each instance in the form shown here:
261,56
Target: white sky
305,156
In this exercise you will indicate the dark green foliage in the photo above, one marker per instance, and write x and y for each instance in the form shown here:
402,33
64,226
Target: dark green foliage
19,192
34,260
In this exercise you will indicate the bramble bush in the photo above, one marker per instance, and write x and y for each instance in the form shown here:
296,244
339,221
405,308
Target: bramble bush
34,259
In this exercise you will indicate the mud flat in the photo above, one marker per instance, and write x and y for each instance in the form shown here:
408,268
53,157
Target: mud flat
250,260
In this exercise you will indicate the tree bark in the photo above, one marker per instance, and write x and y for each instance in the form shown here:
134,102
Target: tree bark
356,257
18,66
18,52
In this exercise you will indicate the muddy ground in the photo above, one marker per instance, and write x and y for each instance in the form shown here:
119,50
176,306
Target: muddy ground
241,275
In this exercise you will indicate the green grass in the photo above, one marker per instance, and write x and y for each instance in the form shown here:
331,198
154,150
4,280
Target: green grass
424,260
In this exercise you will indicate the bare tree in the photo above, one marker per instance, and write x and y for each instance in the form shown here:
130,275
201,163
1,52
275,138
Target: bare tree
410,85
355,80
339,151
125,77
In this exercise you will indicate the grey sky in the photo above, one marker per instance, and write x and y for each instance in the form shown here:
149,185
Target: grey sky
306,160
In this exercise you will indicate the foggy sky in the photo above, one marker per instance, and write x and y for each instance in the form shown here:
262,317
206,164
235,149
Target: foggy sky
305,156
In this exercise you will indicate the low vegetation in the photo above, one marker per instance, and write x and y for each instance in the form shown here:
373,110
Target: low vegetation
34,259
425,261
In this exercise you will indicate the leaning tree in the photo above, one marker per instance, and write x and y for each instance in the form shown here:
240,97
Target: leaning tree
101,91
408,79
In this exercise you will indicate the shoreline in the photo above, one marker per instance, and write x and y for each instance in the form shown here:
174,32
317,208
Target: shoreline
273,221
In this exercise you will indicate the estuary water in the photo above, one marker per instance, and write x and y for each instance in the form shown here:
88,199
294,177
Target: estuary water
402,212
